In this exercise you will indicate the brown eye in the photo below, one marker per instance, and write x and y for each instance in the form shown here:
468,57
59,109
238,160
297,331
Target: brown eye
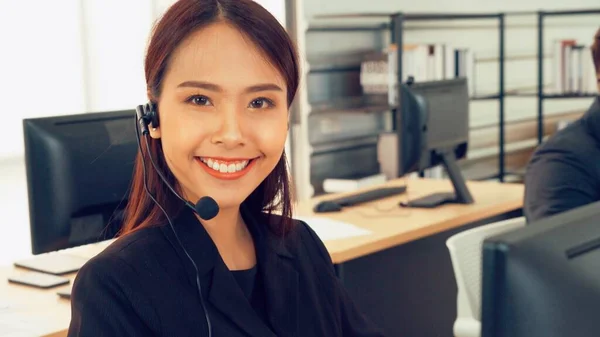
261,103
199,100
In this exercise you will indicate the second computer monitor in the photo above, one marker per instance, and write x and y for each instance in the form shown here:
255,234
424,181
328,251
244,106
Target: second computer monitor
446,105
79,169
543,280
432,128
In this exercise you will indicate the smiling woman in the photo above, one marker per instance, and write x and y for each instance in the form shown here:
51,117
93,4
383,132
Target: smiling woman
215,102
221,76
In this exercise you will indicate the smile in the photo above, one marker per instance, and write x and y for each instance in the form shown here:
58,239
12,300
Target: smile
226,168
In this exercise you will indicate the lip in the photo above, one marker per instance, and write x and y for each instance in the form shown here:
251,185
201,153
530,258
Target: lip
225,159
227,176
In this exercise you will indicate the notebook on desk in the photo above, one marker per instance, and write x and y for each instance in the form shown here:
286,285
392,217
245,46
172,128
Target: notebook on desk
65,293
329,229
53,263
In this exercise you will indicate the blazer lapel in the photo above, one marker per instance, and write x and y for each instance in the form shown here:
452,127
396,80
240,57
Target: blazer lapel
226,296
220,289
280,278
275,265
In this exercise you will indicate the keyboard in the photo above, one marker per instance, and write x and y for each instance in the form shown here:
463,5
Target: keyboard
63,261
368,196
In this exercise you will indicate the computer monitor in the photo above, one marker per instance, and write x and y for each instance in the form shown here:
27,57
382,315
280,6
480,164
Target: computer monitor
79,169
432,128
543,280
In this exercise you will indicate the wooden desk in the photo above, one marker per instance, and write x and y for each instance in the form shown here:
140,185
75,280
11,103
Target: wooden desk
49,315
392,225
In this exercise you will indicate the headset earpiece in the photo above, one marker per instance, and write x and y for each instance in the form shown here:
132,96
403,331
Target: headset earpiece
151,114
146,114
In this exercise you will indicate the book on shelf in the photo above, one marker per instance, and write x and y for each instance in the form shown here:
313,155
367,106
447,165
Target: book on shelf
422,62
336,185
573,69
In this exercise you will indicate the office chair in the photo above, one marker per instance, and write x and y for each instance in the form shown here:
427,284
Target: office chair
466,254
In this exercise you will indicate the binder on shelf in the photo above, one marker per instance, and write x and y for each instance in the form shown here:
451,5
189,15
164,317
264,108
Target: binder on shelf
423,62
572,68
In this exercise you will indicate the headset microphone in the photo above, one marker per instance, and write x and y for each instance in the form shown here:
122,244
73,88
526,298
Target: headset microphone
206,208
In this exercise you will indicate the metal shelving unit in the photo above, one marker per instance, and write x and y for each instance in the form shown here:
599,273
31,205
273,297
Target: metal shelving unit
396,25
541,95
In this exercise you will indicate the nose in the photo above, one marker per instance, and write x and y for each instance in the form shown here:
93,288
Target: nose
229,134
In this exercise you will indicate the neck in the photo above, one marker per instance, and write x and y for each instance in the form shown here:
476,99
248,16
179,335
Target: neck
227,225
232,238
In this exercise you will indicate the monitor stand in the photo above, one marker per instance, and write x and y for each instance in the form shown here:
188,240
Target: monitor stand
461,194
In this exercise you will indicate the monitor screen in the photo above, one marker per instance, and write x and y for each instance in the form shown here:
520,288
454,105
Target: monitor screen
543,280
79,168
447,104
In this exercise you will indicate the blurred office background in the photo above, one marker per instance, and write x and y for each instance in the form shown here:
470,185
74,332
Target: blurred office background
76,56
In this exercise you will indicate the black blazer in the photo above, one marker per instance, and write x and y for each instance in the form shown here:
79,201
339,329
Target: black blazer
143,285
564,172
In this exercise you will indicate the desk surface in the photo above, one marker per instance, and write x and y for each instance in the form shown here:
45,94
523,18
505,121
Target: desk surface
390,225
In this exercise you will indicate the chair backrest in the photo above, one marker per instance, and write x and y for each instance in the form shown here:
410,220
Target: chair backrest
466,254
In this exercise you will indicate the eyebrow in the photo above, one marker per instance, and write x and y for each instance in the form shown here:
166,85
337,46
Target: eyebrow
214,87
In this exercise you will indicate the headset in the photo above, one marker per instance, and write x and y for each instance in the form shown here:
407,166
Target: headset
206,208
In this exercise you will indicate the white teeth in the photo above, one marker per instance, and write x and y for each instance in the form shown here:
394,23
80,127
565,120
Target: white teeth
225,167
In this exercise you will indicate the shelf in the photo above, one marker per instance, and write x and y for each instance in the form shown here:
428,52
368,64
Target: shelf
390,15
522,57
571,95
414,16
354,28
396,23
507,94
484,97
361,104
451,16
334,69
355,15
336,62
571,12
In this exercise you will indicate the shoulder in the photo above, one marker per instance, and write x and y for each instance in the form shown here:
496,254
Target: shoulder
119,258
133,246
109,297
563,173
570,153
572,144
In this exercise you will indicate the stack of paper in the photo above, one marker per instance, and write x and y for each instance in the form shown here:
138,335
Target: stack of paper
17,322
329,229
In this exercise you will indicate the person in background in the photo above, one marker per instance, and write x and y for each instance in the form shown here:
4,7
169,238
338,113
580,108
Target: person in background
221,76
564,172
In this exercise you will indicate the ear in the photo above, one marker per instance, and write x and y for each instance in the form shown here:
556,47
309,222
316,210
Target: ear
154,132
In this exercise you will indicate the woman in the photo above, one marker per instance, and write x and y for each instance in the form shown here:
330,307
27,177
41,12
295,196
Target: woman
221,75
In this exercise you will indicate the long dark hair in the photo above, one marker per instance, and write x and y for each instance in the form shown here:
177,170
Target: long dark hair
183,18
596,54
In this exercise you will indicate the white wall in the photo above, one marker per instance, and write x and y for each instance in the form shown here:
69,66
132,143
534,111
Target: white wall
41,64
62,57
116,33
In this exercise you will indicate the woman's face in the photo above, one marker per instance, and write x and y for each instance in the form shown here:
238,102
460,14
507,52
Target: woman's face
223,116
